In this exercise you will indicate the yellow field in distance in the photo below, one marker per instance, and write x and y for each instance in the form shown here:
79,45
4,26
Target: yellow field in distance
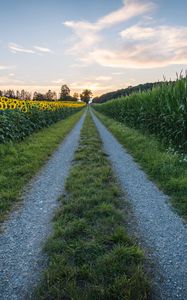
25,105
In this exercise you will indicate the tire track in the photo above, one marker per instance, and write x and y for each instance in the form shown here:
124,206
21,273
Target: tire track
163,231
25,233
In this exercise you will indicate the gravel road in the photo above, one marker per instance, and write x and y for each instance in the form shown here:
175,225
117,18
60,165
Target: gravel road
163,230
25,233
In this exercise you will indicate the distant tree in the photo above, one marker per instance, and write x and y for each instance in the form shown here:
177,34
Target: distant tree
38,96
35,95
18,95
64,92
86,95
27,96
51,96
125,92
76,96
95,100
23,95
1,93
9,94
54,96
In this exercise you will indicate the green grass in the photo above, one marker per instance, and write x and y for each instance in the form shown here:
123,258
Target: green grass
168,170
90,254
20,161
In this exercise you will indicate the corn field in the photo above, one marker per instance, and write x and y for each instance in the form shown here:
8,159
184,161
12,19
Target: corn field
161,111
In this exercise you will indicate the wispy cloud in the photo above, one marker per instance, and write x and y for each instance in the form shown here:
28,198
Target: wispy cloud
3,67
15,48
94,86
58,81
103,78
87,34
97,84
7,80
129,10
144,45
42,49
147,47
117,73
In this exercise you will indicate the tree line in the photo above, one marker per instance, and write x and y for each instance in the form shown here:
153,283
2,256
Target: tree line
125,92
50,95
22,95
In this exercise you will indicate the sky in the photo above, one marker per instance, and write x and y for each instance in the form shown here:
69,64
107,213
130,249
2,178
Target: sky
102,45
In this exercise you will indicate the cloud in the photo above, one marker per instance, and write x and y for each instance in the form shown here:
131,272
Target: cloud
103,78
87,34
145,47
6,80
58,81
3,67
156,46
94,86
42,49
129,10
15,48
117,73
142,46
84,36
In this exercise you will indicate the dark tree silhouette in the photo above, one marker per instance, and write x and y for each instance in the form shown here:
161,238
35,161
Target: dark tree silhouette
86,96
65,93
76,96
38,96
125,92
51,96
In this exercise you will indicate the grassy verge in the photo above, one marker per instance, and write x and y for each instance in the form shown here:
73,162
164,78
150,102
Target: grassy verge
168,170
90,253
20,161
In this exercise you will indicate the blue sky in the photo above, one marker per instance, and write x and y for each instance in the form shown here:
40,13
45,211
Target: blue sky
102,45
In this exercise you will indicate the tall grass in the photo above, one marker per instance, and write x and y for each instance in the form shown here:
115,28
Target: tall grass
161,111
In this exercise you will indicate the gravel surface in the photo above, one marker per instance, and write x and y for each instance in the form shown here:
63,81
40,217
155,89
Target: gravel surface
25,233
163,230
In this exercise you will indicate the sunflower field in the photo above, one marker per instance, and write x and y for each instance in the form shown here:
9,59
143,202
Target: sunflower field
19,118
7,103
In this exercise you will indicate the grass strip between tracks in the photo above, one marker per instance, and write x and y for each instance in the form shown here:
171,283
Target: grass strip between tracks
168,170
91,255
19,162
